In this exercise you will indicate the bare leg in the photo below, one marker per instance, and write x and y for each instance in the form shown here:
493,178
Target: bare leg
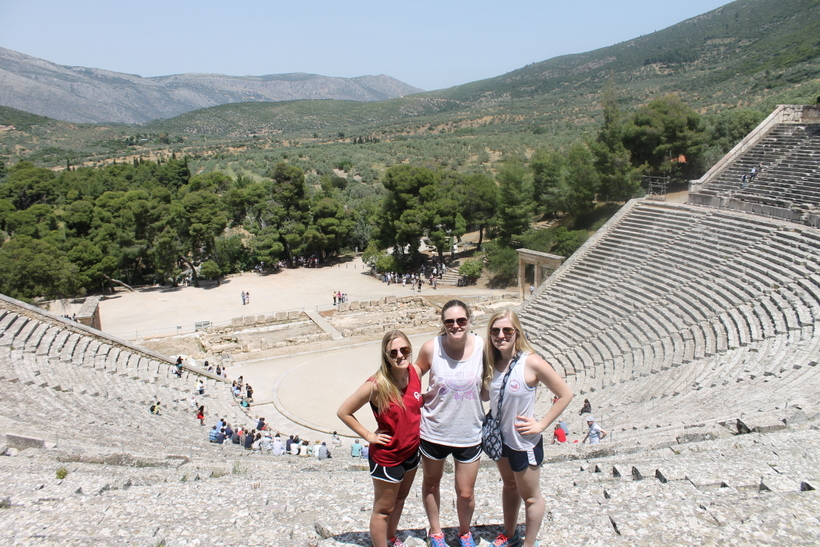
529,486
384,501
510,497
398,506
466,474
430,491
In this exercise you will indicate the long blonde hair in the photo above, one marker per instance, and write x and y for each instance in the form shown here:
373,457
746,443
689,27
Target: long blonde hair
385,391
491,353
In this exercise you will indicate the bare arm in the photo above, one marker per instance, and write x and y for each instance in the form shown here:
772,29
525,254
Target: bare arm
538,370
351,405
425,359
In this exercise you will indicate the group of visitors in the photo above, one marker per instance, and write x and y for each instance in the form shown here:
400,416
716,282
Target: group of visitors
311,261
594,433
242,392
260,439
416,428
246,297
339,297
750,177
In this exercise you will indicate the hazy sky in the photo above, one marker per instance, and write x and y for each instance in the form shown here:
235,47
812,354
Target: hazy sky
428,44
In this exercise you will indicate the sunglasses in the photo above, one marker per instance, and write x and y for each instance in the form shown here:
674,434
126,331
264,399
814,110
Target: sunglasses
508,331
405,351
462,322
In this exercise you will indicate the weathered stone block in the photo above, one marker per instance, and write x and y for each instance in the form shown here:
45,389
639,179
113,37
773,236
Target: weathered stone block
696,437
237,321
249,320
294,314
20,442
281,315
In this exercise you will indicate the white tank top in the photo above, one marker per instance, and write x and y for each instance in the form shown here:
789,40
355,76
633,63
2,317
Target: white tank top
519,400
452,413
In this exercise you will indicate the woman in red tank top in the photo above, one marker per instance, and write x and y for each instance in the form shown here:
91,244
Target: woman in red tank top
394,394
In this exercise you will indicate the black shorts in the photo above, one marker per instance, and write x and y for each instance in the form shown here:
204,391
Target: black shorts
462,454
395,473
521,459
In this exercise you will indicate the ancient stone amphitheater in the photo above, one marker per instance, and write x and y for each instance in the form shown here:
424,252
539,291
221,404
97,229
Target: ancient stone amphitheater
693,329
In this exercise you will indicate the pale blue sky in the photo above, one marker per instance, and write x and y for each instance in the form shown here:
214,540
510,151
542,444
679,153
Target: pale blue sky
428,44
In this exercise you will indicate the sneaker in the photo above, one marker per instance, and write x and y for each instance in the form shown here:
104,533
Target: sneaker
436,540
395,542
466,540
504,541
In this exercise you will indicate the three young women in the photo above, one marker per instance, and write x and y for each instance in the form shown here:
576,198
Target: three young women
394,394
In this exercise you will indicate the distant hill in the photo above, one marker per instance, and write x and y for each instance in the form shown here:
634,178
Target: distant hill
744,47
91,95
749,53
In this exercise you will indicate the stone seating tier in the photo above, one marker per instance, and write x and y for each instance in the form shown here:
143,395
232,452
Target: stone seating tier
791,172
753,488
62,381
672,319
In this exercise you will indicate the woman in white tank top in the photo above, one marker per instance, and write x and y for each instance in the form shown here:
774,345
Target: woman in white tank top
522,451
451,417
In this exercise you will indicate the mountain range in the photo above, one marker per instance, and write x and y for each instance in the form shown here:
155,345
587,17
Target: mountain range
747,54
92,95
750,54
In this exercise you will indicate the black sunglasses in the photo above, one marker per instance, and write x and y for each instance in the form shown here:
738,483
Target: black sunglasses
508,331
462,322
405,351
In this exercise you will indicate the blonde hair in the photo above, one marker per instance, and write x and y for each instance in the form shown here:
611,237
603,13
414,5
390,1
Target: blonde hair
491,353
385,391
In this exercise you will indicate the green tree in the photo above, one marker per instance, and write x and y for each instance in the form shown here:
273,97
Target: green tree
549,187
27,185
471,269
477,201
34,268
407,214
330,229
515,201
502,263
285,214
662,131
210,270
232,255
583,179
38,221
92,265
619,179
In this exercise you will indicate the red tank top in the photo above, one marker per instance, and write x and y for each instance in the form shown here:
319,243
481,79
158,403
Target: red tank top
402,424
